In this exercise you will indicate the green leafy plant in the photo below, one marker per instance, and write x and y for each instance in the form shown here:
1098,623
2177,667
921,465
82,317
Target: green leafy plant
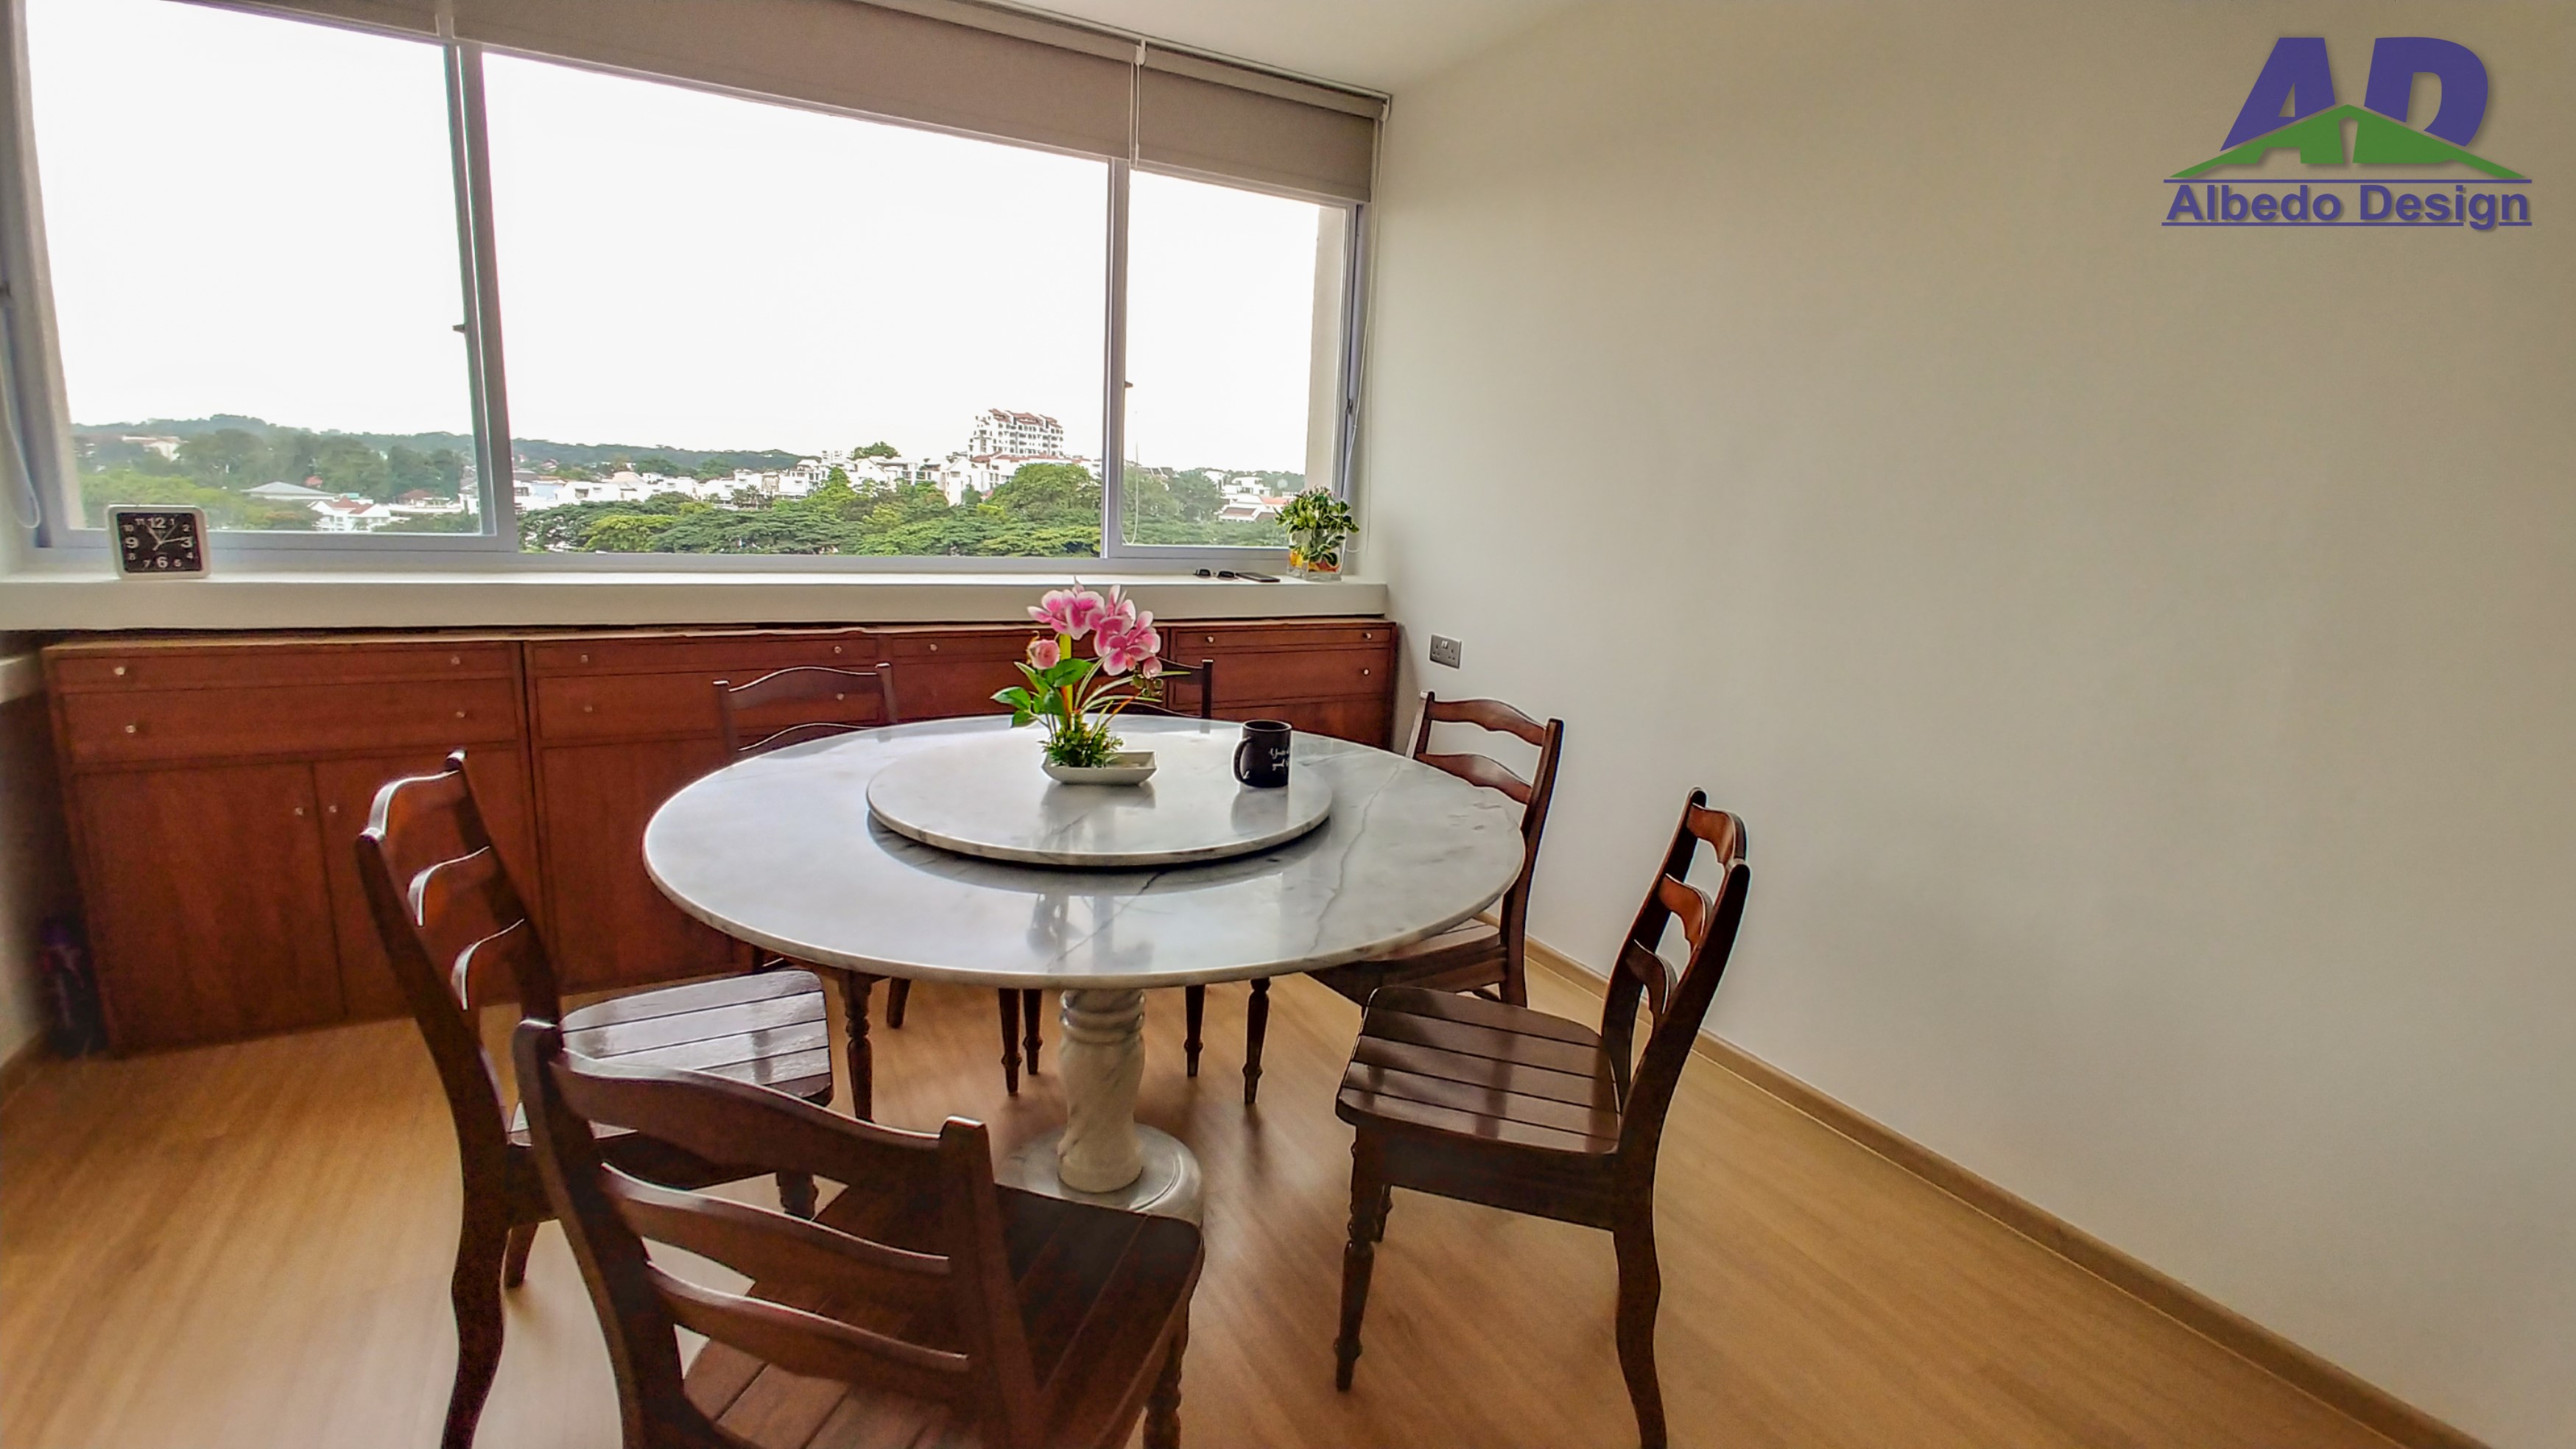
1318,524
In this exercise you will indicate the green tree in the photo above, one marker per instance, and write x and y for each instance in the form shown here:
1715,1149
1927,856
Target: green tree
656,463
224,508
347,465
1044,493
226,458
877,449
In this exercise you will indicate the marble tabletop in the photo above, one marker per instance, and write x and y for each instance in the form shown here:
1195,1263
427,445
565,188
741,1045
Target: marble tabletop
780,850
986,795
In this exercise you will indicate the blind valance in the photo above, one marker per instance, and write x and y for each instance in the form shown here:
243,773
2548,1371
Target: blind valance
952,64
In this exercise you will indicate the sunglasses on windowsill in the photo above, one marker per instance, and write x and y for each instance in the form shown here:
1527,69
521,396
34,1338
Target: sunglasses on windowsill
1237,574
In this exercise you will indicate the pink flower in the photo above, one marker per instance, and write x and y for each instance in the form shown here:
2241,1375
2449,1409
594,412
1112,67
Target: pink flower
1044,652
1072,613
1152,668
1128,640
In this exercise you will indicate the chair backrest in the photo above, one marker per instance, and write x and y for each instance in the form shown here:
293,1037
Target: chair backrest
1532,794
458,935
915,1298
819,701
1677,1001
1197,681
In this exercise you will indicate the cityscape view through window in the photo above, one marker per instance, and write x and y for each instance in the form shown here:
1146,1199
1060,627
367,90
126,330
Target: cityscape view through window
726,326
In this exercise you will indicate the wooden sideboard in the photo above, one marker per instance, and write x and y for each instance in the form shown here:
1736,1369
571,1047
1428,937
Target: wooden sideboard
215,784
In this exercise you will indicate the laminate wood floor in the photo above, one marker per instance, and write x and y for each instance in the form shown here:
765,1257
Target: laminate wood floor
248,1245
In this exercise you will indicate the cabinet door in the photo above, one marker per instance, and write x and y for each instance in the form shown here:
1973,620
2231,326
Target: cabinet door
209,908
608,925
347,791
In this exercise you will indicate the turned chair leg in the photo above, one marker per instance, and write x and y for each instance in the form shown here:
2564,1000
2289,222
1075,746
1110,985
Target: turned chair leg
1011,1041
1163,1409
1256,1027
1641,1287
855,990
514,1256
898,994
1033,1003
1193,1016
1385,1206
1359,1255
796,1194
475,1292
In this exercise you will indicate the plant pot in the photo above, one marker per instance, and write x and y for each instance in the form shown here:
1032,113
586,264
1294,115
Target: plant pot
1127,767
1311,561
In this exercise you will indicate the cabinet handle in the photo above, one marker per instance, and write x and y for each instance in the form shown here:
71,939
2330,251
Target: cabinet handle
330,809
934,648
455,658
120,671
837,698
585,659
1363,675
299,812
134,729
836,648
589,708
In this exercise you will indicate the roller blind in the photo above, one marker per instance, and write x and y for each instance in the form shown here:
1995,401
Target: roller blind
953,64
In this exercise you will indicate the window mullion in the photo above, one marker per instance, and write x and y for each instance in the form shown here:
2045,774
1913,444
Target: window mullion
1113,431
470,144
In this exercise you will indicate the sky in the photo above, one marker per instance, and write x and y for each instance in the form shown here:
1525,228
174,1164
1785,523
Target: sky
250,215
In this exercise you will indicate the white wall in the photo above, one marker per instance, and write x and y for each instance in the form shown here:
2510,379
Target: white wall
2146,659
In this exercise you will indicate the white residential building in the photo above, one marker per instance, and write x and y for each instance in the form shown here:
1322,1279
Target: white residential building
999,431
349,515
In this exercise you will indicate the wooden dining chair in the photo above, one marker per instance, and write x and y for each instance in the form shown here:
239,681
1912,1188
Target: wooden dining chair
1482,956
789,707
460,937
1493,1103
1157,696
926,1307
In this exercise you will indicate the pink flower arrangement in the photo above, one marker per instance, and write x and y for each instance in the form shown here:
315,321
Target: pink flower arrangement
1078,697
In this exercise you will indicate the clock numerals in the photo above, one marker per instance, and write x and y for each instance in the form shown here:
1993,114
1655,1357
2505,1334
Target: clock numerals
166,542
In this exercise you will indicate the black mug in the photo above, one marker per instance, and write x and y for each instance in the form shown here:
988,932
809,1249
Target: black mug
1261,761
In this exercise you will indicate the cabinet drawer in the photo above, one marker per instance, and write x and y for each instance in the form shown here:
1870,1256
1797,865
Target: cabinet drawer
743,657
1320,674
79,670
1221,639
628,706
306,719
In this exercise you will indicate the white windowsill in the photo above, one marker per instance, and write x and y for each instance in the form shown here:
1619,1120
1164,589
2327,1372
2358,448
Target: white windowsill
481,598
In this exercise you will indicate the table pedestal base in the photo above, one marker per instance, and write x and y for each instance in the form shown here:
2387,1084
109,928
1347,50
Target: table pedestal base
1168,1187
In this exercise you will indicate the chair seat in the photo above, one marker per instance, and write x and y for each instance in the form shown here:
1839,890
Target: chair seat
1098,1288
1437,1063
769,1029
1461,958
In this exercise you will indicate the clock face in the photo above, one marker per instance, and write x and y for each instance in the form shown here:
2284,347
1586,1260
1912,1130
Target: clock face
159,542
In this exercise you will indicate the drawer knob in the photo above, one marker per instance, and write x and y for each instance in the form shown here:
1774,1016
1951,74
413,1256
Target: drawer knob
934,648
299,812
134,729
836,648
837,698
460,714
589,708
1363,675
455,658
330,809
585,659
120,671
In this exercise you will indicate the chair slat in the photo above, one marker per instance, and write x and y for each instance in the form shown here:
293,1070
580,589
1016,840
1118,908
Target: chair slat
457,904
812,1344
732,1122
788,706
1490,714
762,1245
1477,770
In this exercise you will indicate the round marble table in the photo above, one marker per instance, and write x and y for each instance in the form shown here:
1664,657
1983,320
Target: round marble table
780,850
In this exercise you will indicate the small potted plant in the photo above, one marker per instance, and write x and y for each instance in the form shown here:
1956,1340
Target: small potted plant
1079,699
1318,525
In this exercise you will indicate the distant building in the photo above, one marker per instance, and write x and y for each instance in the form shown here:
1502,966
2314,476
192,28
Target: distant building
1254,509
285,493
998,431
166,447
349,515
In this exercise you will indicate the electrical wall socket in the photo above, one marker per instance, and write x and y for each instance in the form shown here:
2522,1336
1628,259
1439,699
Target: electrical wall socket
1444,650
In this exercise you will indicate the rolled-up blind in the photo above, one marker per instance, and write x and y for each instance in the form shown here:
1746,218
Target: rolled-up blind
1225,121
954,64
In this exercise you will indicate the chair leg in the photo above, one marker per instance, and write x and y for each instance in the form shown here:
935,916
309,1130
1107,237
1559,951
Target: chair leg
1194,1015
1011,1041
1256,1029
1359,1255
1515,985
1385,1207
1033,1003
796,1194
1163,1409
898,995
475,1292
855,990
514,1257
1641,1287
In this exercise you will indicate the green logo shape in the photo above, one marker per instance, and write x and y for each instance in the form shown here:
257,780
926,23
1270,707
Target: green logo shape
2376,141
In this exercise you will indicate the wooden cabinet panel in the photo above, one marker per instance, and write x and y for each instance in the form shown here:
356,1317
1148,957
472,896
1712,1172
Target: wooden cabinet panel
1265,676
207,903
607,923
190,665
582,708
346,790
182,724
1220,639
1361,721
718,651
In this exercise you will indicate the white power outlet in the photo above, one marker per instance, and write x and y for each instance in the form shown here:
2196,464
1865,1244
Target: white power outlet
1444,650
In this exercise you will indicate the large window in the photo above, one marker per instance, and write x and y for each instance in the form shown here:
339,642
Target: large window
253,238
345,287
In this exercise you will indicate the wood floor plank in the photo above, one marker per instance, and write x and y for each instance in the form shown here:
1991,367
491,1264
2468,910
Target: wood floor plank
248,1245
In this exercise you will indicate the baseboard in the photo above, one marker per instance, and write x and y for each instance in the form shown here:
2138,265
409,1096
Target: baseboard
21,1065
2383,1412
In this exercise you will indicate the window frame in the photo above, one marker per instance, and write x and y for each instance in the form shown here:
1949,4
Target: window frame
38,419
